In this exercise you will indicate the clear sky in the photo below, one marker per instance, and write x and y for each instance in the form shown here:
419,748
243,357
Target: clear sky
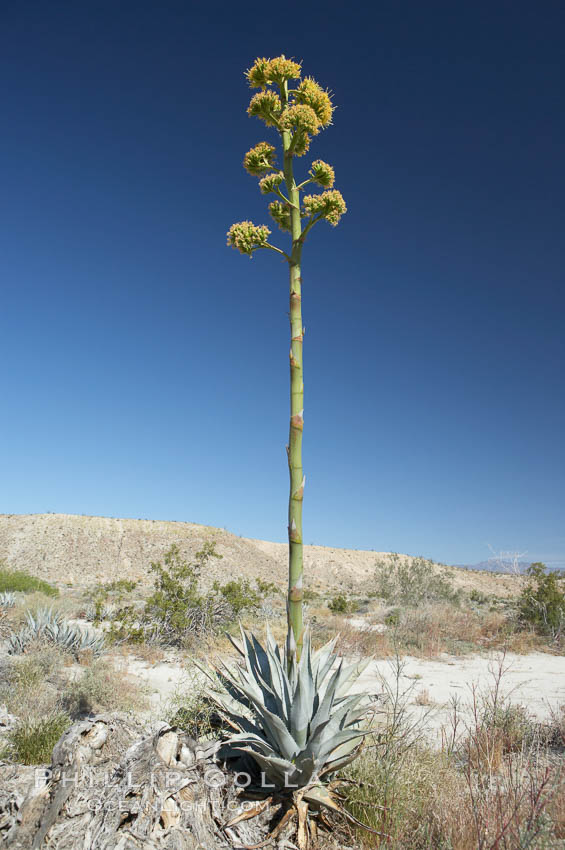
145,364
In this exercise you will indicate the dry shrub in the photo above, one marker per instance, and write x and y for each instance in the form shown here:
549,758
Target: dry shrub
423,697
102,688
361,642
30,686
500,788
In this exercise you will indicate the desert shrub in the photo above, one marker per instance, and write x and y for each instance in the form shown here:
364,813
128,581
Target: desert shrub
104,599
267,588
101,688
403,581
178,611
478,596
30,684
392,618
192,710
542,601
18,581
419,797
32,741
239,595
340,604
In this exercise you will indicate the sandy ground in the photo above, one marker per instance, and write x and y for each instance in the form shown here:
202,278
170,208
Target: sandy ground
536,681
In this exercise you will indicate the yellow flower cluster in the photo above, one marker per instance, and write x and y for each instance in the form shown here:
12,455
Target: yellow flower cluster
322,174
281,69
271,182
259,159
313,95
330,205
265,105
246,236
281,214
301,144
266,71
257,74
302,118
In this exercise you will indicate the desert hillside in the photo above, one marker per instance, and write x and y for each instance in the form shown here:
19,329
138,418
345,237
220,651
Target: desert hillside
79,550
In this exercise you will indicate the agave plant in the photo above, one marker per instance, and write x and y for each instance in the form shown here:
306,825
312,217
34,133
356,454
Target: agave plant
48,625
7,599
296,721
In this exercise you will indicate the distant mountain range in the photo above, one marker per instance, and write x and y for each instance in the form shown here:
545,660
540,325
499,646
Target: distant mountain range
499,565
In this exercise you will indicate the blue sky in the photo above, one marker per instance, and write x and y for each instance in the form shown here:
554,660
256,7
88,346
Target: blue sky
145,365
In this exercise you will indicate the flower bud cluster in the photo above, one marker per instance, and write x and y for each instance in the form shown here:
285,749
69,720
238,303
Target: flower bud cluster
301,118
330,205
265,105
301,144
322,174
271,182
259,159
278,70
311,94
281,214
246,236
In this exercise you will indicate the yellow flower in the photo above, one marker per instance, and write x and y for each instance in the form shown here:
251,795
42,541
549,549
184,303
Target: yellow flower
280,213
259,159
322,174
313,95
330,205
257,74
271,182
265,105
247,237
281,69
301,145
265,71
302,118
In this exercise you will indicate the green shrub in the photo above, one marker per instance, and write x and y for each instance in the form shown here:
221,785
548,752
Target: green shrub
32,741
103,599
267,588
239,595
178,611
340,604
413,581
542,601
16,580
192,710
392,618
478,596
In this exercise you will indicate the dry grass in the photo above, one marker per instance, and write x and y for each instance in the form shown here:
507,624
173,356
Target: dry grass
497,784
429,631
102,688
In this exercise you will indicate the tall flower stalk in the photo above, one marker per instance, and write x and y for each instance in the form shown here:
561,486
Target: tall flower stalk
296,112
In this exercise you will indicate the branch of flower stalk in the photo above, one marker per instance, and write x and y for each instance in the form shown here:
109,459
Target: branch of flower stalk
278,250
311,223
304,183
283,198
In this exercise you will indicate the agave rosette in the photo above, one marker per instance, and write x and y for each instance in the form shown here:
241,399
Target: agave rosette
295,719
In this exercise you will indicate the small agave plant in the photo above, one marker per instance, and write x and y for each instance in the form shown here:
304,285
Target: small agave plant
297,722
7,599
47,625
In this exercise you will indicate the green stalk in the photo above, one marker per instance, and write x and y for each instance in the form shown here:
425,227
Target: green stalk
294,448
